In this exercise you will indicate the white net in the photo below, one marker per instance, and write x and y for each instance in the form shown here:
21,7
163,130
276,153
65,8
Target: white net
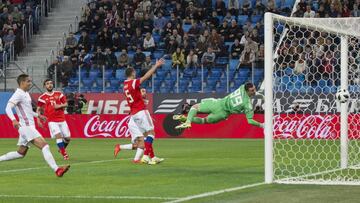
307,62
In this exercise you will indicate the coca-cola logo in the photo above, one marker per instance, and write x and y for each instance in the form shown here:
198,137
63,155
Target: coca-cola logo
95,127
310,126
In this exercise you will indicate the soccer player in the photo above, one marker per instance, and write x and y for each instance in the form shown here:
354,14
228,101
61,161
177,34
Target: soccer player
219,109
53,103
21,101
140,123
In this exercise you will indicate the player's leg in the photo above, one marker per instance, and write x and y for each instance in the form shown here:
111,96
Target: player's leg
147,125
20,153
137,139
55,132
33,136
216,117
205,106
65,131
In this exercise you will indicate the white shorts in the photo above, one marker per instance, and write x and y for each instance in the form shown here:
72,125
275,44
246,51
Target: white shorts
140,123
27,134
59,128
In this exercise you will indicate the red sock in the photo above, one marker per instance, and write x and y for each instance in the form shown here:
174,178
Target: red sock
149,150
63,151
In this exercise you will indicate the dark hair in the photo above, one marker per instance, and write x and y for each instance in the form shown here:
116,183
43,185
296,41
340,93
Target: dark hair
21,78
248,85
47,80
129,71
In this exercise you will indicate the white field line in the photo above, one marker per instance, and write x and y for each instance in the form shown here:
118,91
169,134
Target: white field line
74,164
87,197
217,192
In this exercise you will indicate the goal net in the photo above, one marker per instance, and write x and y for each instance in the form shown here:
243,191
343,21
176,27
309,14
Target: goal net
310,138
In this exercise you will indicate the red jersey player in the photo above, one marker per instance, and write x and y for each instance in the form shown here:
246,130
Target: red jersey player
53,104
140,123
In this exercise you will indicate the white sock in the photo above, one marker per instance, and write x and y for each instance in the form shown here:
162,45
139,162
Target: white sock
11,156
139,153
126,146
49,157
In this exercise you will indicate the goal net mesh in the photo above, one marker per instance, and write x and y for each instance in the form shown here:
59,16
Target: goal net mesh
307,57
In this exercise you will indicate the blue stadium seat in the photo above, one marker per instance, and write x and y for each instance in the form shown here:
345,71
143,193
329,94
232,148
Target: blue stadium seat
288,71
99,82
68,90
194,89
108,74
94,73
120,74
158,54
85,89
322,83
167,65
96,89
83,73
242,19
186,27
220,89
233,64
256,18
110,89
208,89
87,82
117,54
147,53
285,80
114,83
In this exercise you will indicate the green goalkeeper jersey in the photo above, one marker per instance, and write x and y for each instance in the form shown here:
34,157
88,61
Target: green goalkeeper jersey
239,102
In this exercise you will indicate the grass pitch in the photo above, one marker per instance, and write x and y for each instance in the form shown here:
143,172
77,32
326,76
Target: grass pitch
191,167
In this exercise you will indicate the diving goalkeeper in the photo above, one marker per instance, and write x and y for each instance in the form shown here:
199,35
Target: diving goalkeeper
219,109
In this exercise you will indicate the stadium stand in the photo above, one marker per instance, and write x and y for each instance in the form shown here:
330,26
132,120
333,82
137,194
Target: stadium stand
192,26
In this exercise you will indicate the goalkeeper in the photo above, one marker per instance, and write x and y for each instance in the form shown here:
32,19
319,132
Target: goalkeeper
219,109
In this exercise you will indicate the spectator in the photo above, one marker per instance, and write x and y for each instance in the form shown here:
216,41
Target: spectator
234,31
236,49
16,14
84,42
259,8
98,58
186,47
149,43
220,7
147,24
246,8
247,57
345,11
9,39
190,11
136,40
4,15
66,71
139,58
233,7
176,36
178,58
54,68
109,21
355,12
70,44
251,44
123,59
200,46
214,20
298,13
228,17
260,56
208,58
194,30
300,65
223,30
96,23
147,65
159,23
119,43
171,46
110,58
192,59
309,13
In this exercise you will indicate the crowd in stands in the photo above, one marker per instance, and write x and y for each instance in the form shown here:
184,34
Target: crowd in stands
14,14
117,34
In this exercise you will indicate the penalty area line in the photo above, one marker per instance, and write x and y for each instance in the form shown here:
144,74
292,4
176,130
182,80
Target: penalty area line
217,192
74,164
87,197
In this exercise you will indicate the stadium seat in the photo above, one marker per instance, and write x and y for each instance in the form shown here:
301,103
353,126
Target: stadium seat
208,89
114,83
158,54
242,19
108,74
233,64
87,82
120,74
96,89
85,89
256,18
186,27
94,73
322,83
99,82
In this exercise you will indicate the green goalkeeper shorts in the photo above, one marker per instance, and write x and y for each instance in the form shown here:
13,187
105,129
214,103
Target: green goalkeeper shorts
213,107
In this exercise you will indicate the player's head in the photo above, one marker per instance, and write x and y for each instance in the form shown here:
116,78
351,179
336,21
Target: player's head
24,82
250,89
130,73
49,85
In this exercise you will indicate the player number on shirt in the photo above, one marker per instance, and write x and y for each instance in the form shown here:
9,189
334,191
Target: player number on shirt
131,100
236,98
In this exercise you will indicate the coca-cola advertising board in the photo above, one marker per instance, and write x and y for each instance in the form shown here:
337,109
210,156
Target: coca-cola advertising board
286,126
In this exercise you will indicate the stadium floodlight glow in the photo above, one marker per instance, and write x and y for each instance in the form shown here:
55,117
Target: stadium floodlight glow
311,137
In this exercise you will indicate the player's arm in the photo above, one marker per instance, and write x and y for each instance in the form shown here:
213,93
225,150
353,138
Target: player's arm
250,119
148,74
9,107
63,104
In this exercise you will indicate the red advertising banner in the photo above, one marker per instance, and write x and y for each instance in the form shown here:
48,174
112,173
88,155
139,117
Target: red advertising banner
289,126
108,103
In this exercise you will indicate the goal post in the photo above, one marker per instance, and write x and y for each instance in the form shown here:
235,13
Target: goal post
310,138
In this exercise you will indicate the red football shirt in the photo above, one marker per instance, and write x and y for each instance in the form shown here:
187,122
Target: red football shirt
133,96
48,101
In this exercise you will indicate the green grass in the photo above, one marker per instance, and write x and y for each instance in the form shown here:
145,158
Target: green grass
191,167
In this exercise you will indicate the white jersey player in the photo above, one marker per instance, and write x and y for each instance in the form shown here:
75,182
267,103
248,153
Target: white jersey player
21,101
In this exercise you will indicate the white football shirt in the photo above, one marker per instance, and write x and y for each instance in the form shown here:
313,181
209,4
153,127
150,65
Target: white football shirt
23,107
